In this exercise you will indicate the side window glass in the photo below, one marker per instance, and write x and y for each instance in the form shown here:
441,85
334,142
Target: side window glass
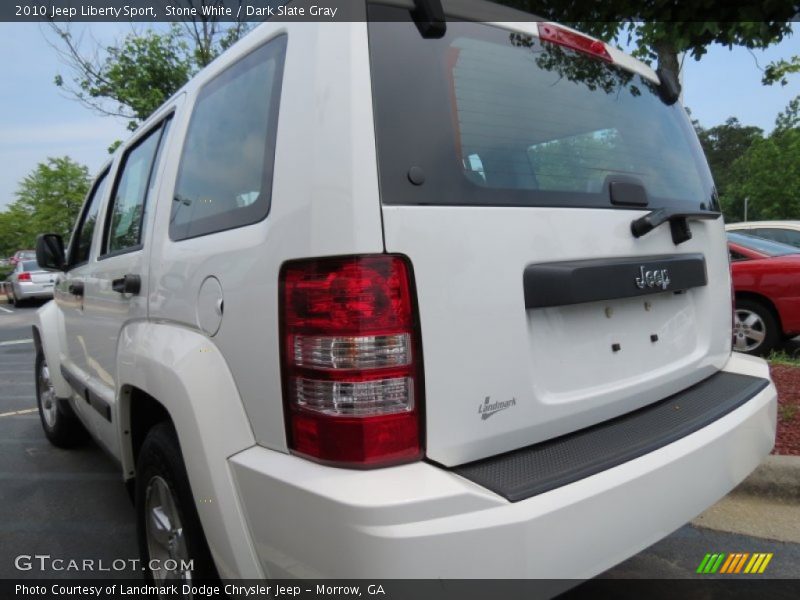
82,237
129,201
770,234
792,237
225,175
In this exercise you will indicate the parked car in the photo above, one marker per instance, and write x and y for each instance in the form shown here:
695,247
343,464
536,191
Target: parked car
20,255
399,299
786,232
28,281
766,280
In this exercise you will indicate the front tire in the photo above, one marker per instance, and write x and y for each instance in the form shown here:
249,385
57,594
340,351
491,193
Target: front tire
60,424
167,524
755,329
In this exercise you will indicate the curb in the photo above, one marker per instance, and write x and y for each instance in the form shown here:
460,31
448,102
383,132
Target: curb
777,477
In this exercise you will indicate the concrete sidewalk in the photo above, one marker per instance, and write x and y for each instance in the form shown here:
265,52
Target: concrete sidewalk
766,504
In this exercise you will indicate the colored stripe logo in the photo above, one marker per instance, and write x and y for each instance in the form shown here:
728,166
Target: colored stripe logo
734,563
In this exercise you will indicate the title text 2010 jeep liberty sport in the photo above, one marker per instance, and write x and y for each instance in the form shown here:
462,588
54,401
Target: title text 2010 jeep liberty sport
383,298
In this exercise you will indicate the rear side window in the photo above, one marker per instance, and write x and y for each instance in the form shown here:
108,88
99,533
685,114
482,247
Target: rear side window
495,117
129,201
225,176
82,238
785,236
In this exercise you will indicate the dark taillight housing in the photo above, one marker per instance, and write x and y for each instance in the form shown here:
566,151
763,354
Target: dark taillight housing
24,276
352,374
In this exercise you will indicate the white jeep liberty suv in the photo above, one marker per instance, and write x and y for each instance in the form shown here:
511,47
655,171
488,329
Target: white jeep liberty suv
396,297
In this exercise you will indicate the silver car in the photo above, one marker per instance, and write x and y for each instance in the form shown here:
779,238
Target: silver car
28,281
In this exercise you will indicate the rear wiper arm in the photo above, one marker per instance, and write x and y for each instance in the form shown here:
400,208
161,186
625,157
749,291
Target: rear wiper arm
678,222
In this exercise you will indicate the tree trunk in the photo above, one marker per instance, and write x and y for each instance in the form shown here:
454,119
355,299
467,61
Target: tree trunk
668,59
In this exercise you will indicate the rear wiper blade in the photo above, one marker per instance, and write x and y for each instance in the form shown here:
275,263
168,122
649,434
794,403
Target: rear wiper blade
678,222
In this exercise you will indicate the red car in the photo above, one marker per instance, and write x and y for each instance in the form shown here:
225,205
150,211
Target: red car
766,280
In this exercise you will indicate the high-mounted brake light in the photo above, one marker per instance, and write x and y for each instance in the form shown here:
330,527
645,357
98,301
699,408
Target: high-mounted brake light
351,364
575,41
24,276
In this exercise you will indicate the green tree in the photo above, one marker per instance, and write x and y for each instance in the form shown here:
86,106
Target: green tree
723,145
661,30
768,175
48,200
134,76
778,71
14,231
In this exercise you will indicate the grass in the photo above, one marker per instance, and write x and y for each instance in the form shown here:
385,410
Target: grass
786,412
781,357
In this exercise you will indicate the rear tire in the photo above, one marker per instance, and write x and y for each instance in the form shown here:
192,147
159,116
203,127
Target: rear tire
60,424
167,524
755,329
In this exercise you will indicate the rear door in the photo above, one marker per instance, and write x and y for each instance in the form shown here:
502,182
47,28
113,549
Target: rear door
511,169
116,282
69,288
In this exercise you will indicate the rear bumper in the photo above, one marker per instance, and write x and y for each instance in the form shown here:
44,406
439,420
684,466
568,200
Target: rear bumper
422,521
24,291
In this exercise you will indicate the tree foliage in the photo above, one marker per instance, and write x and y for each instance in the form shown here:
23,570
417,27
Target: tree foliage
48,200
766,173
661,30
135,75
723,145
778,71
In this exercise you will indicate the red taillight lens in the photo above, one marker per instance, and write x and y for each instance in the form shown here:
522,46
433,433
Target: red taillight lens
351,365
24,276
575,41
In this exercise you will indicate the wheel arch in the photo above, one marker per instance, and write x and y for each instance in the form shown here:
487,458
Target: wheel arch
166,371
769,304
46,331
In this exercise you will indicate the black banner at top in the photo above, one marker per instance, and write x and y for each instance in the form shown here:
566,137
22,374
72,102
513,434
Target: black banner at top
355,10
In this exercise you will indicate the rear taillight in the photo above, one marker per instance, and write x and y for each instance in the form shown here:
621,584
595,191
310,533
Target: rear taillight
24,276
575,41
351,361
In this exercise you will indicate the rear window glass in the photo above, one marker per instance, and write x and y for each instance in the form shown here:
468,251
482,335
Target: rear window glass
494,117
30,265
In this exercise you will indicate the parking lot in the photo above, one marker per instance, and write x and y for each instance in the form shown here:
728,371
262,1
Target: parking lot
71,504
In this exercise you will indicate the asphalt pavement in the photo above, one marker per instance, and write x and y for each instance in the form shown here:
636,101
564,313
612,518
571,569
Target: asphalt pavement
72,505
65,504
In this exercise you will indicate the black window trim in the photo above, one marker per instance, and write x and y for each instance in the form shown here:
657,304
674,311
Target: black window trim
105,172
160,124
265,194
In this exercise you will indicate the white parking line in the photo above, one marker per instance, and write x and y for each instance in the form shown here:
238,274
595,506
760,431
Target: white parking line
4,309
16,342
24,411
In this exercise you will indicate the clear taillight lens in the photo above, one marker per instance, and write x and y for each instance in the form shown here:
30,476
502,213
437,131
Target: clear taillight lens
351,365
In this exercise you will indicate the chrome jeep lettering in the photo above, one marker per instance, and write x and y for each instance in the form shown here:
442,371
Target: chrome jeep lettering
655,278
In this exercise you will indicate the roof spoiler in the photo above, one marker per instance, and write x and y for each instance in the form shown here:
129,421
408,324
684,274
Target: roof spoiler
429,17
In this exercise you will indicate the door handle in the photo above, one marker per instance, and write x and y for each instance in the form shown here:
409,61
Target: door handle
75,288
127,284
